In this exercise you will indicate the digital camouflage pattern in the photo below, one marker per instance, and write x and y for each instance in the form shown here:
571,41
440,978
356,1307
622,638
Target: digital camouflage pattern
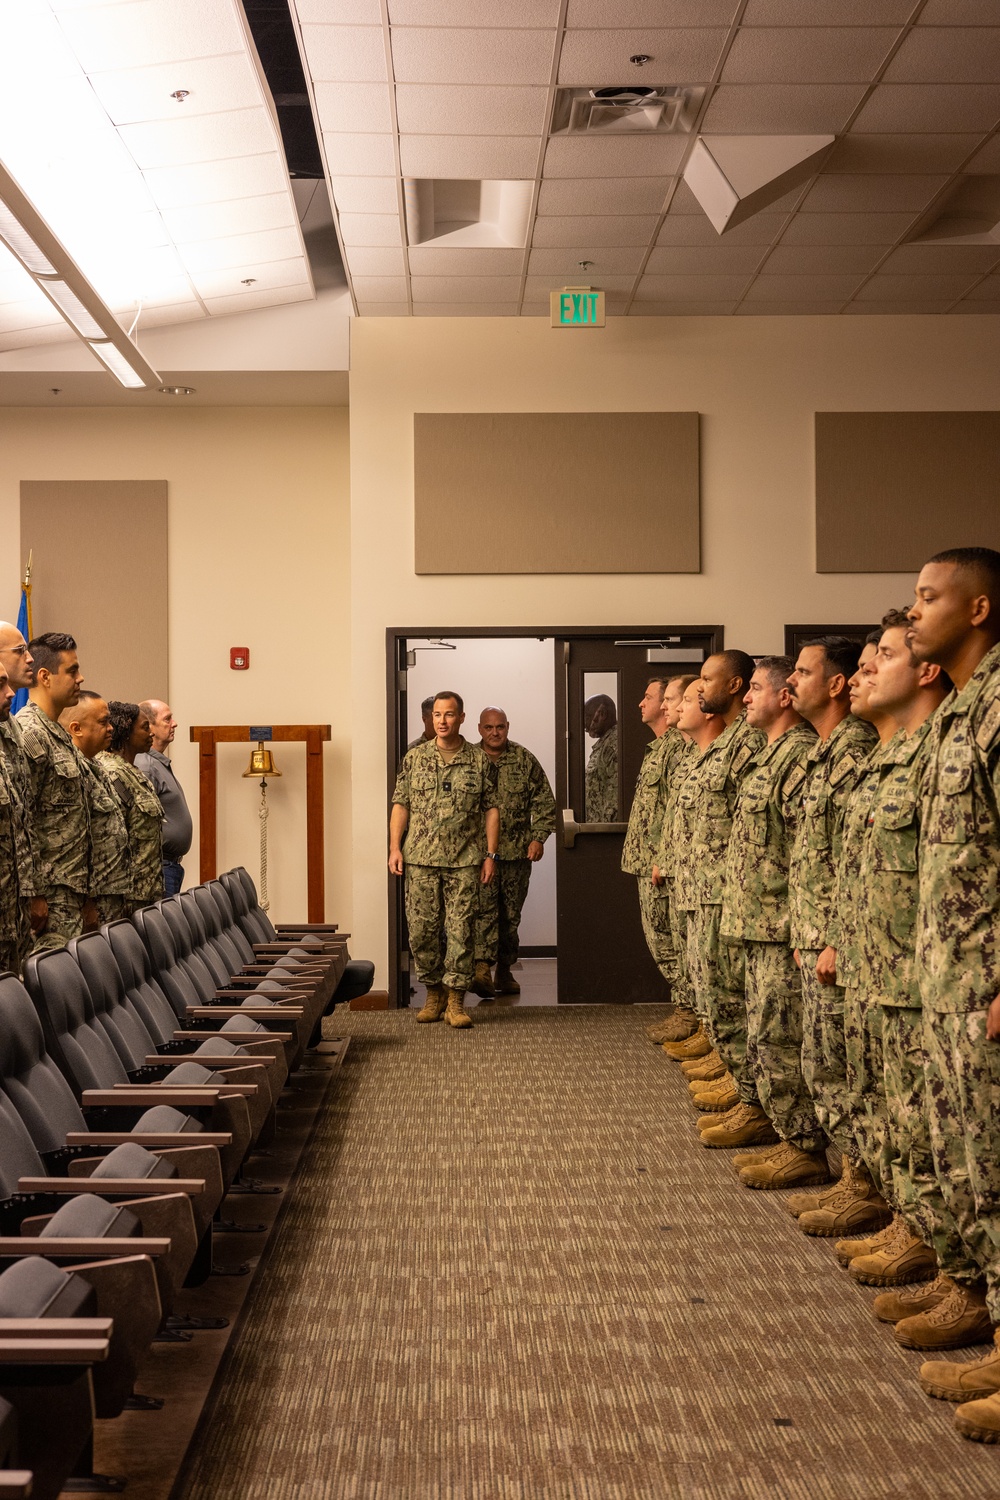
498,912
670,845
15,760
774,1043
848,897
15,940
446,802
111,871
706,802
755,883
833,768
58,806
441,916
716,971
645,819
866,1107
824,1054
601,779
524,798
65,919
654,911
144,824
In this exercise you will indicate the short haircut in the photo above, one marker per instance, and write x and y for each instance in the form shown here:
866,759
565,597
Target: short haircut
447,693
147,707
426,704
738,664
684,680
47,649
778,669
86,695
657,678
123,717
983,563
840,652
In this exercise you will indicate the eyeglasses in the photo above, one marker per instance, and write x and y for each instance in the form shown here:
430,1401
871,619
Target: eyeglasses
15,650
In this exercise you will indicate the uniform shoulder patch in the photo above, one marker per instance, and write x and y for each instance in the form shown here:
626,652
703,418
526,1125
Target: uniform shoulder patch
845,767
740,759
989,730
794,780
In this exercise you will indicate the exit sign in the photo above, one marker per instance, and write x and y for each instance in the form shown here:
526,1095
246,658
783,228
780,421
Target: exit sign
577,307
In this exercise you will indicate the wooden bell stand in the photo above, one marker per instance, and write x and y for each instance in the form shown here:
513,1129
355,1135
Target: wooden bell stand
206,737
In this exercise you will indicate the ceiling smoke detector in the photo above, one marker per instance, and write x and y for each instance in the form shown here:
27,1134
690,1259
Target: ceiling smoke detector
627,109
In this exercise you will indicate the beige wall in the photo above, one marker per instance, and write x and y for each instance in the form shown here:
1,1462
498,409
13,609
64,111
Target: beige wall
258,541
757,383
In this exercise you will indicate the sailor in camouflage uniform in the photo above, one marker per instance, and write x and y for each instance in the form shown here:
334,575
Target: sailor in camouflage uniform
12,914
18,663
682,1023
89,727
143,811
58,806
445,804
600,793
527,818
755,913
645,824
821,695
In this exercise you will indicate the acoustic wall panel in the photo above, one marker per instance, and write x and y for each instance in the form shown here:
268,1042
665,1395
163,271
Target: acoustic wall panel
893,488
556,492
100,574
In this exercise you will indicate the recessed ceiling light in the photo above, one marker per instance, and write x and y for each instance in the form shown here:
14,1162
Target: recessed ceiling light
177,390
180,95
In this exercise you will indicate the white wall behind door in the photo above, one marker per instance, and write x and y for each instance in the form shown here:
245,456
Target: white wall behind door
517,675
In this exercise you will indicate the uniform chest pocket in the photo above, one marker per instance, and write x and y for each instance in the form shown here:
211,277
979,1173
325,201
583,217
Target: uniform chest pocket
894,837
954,815
65,788
649,776
816,818
460,786
148,803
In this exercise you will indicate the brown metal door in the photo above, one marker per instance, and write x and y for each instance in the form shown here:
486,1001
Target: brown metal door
603,958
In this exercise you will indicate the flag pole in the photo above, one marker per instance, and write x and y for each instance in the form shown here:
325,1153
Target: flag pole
26,587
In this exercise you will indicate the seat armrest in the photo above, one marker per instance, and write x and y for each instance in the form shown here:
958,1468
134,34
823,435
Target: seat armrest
151,1139
269,995
56,1328
73,1247
239,1037
206,1060
113,1187
249,1012
53,1351
143,1096
308,927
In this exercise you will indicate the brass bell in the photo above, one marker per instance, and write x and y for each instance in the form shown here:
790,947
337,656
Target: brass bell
261,763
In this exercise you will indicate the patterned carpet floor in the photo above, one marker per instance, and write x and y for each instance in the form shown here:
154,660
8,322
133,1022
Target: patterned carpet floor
510,1270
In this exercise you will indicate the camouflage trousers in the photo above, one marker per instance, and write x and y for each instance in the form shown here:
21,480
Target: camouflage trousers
962,1071
824,1059
654,909
65,919
683,993
441,916
916,1192
865,1077
110,908
774,1043
498,914
716,971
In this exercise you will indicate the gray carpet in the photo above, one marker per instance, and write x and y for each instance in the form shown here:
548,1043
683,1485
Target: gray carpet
510,1270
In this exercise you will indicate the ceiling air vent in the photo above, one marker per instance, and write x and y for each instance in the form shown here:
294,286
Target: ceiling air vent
627,110
969,216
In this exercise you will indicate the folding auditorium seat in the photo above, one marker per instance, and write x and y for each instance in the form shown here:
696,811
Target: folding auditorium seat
258,928
230,957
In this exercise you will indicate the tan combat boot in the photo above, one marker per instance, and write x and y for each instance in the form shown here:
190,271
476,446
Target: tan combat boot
968,1382
961,1318
696,1045
751,1158
784,1167
848,1250
704,1069
718,1096
505,983
799,1203
482,982
980,1420
748,1126
433,1007
710,1122
903,1260
676,1028
893,1307
456,1014
856,1205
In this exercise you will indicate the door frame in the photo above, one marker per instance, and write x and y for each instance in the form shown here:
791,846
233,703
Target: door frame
395,720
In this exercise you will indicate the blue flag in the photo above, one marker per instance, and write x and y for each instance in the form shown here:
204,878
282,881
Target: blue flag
23,625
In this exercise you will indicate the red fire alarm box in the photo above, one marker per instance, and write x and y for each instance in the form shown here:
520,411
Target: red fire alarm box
239,658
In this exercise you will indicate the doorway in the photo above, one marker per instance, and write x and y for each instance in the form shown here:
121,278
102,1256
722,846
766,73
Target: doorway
581,936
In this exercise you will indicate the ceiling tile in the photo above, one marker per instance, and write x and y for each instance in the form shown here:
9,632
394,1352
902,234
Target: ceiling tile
205,220
218,181
690,288
627,156
788,309
803,288
148,32
846,229
465,288
681,309
883,309
932,107
364,107
371,229
883,288
359,155
489,158
446,109
595,59
947,54
988,158
717,260
431,260
928,260
537,287
827,12
223,283
685,202
958,13
758,108
368,261
365,195
985,291
643,13
213,83
425,55
696,229
345,54
465,310
900,153
976,310
600,231
621,261
169,313
339,12
383,309
474,13
199,138
379,288
575,195
248,301
870,192
812,260
808,54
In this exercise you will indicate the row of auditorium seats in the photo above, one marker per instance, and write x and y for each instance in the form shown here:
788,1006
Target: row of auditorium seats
140,1069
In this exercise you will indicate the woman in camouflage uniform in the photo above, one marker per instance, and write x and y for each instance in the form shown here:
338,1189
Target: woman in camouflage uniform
131,736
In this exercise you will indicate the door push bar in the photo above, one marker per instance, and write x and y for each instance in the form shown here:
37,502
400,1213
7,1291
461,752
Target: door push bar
571,827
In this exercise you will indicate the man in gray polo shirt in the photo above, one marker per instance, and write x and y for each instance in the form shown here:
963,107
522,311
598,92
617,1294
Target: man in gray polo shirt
177,821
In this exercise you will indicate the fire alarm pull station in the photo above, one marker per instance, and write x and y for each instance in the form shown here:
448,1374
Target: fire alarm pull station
239,658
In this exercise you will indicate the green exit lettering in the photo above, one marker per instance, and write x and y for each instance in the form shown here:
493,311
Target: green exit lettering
578,307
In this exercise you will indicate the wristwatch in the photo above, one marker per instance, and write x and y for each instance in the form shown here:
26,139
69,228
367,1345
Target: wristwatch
491,855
